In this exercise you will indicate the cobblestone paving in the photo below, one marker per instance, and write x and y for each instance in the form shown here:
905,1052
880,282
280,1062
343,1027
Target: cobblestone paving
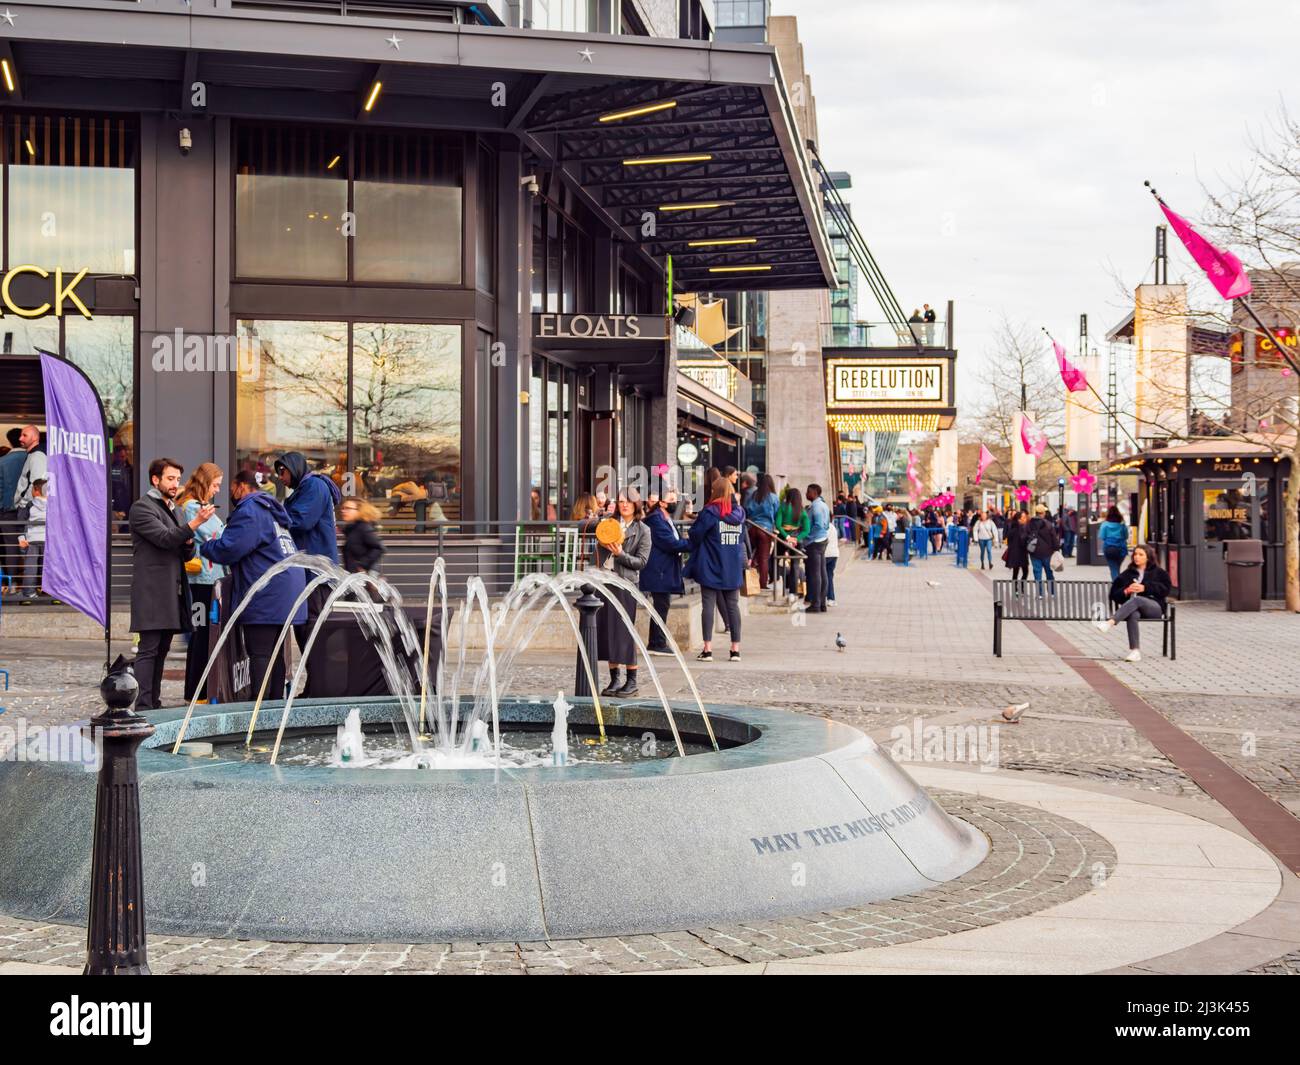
1287,965
1036,860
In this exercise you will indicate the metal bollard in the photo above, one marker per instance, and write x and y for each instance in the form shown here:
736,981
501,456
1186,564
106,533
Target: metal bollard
588,604
115,938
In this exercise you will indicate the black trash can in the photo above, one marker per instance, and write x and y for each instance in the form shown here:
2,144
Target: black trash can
345,661
1244,561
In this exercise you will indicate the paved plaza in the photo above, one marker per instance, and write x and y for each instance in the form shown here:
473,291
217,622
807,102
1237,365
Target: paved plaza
1106,855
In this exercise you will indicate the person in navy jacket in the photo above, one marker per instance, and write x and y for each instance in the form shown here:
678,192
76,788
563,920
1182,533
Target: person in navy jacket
310,509
661,578
255,539
717,564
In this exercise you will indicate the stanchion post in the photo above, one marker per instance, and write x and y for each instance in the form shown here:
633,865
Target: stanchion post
115,937
588,605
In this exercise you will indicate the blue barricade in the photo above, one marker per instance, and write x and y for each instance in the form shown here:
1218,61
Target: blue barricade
961,540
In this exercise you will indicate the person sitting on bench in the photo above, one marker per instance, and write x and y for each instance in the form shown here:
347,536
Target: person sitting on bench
1140,592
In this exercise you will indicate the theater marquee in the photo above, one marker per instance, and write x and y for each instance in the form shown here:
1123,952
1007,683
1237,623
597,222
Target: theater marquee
890,394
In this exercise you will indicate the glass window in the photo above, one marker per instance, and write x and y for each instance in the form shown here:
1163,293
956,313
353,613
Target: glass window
486,228
27,336
406,416
553,261
539,257
71,192
291,191
294,397
407,199
536,437
104,347
554,439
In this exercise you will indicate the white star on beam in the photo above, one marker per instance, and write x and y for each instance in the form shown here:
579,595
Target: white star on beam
586,54
395,41
8,16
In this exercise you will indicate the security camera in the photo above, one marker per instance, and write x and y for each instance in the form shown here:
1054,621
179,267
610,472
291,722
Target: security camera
529,182
186,141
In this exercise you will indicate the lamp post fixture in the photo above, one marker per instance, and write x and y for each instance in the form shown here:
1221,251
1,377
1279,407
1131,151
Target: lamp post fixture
115,937
588,605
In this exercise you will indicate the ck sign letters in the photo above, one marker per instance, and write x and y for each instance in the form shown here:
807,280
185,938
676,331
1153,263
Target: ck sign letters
63,293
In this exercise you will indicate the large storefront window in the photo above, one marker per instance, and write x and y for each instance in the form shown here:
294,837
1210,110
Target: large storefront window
291,193
104,346
375,406
406,414
302,196
563,263
71,184
407,199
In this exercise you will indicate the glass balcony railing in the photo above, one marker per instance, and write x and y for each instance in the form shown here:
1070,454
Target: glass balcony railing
884,335
703,365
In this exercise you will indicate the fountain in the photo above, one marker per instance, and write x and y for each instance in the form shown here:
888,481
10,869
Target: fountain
452,809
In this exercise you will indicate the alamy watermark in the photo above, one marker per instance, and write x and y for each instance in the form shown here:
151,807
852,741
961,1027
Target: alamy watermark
181,352
971,744
23,742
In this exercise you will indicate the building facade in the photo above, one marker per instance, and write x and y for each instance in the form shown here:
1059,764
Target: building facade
429,246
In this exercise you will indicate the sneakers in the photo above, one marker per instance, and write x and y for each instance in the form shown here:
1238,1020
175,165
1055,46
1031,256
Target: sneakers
1133,656
1102,626
734,656
704,656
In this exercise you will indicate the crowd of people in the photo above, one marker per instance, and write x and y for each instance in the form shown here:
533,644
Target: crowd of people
746,536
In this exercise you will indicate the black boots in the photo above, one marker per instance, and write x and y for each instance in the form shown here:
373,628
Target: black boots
613,686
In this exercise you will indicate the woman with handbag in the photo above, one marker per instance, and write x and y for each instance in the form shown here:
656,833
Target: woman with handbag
1016,555
201,574
1041,544
623,550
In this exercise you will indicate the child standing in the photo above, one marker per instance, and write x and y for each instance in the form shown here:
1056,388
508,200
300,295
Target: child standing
32,540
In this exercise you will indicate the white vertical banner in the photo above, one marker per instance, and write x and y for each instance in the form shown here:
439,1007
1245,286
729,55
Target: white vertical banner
943,462
1083,414
1024,466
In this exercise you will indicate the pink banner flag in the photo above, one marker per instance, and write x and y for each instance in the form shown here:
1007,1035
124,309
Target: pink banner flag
1073,376
985,460
911,469
1032,437
1223,268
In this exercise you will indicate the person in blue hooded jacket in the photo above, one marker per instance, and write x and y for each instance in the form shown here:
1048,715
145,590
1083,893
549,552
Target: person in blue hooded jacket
255,539
310,506
717,564
661,578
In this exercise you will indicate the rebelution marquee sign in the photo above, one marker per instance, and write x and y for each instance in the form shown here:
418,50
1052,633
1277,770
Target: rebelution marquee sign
891,394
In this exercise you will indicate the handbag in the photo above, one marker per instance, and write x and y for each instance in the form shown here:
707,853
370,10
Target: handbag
749,586
1057,561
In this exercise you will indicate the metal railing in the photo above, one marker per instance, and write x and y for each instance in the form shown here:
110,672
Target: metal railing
883,335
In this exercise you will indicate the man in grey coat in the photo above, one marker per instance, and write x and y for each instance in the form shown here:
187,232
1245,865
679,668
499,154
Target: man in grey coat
160,595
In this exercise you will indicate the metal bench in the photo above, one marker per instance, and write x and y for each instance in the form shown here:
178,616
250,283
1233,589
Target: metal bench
1071,601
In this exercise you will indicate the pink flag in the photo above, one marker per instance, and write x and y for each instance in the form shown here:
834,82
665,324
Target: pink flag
986,459
1032,437
1223,268
911,469
1073,376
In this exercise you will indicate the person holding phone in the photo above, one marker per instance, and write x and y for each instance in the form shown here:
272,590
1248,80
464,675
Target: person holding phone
1141,591
200,490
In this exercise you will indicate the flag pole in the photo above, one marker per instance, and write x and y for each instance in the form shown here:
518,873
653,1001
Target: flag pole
1295,366
1104,405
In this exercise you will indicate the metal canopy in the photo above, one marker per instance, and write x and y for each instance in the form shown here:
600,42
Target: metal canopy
729,105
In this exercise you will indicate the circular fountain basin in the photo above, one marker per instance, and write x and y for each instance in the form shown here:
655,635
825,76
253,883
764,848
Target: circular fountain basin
794,815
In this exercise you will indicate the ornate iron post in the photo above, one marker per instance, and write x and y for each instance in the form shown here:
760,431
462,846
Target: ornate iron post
588,604
115,939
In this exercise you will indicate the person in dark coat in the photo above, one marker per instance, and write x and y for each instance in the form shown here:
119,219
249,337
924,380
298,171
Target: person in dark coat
255,539
362,548
1041,543
717,565
661,578
1017,552
161,544
1140,591
310,510
626,560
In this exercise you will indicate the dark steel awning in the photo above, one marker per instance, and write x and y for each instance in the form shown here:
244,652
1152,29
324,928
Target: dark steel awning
725,106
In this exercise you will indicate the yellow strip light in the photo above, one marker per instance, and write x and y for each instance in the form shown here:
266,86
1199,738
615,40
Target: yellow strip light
333,162
633,112
737,269
708,206
721,241
30,148
660,160
884,423
9,75
374,94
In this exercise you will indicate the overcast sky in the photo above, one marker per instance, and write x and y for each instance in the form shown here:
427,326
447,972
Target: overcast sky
998,149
